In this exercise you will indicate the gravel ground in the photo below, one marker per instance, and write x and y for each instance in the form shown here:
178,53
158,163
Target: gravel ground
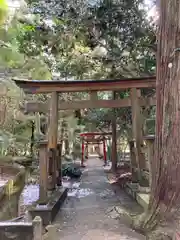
91,210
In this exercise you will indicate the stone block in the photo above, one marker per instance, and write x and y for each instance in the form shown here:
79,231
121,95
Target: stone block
49,211
16,231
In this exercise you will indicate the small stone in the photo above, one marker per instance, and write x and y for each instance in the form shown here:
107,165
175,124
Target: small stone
52,232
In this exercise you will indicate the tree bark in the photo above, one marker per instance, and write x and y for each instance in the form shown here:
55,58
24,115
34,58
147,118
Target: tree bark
165,192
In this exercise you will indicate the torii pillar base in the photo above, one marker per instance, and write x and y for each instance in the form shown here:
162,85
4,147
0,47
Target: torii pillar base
49,211
49,202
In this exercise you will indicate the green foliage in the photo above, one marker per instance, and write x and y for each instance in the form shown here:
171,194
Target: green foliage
10,58
71,33
3,11
78,40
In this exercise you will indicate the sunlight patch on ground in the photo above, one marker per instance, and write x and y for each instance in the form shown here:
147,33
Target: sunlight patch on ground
108,166
107,193
80,192
30,194
67,183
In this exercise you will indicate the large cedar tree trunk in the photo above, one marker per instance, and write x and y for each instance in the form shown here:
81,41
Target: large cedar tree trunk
165,192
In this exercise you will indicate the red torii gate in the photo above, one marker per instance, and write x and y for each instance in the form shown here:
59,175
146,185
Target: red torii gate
90,137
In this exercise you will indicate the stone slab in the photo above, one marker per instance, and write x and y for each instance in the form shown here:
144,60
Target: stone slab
143,199
49,211
133,191
16,231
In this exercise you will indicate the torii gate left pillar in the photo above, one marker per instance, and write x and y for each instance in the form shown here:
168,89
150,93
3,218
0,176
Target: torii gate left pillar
52,141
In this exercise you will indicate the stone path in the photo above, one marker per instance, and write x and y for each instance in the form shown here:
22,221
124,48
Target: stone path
90,211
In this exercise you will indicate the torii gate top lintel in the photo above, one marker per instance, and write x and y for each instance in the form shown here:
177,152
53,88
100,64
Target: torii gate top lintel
95,137
88,134
42,86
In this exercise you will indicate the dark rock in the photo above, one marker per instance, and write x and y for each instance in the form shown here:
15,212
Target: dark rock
71,170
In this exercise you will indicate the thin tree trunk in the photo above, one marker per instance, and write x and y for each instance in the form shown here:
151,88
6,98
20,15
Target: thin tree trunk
165,192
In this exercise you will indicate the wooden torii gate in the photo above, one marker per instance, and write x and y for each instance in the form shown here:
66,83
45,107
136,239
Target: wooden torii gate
89,137
91,86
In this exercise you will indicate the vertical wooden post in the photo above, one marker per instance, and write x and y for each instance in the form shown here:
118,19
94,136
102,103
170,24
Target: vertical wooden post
93,97
104,151
66,144
43,165
150,153
37,124
32,139
59,164
108,150
134,166
86,150
37,228
82,157
137,132
114,139
52,140
59,156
